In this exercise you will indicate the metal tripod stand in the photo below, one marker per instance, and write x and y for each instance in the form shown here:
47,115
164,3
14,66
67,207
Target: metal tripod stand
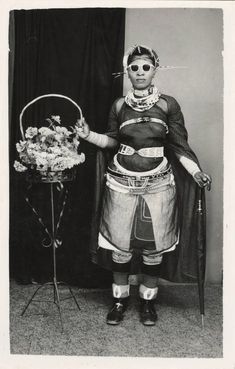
54,244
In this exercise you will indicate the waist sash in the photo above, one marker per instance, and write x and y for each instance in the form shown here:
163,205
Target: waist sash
151,152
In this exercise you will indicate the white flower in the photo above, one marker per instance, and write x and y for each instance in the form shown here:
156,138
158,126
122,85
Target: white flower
56,118
32,146
58,137
82,157
19,167
50,156
31,132
59,164
63,130
55,150
25,158
45,131
30,151
41,155
41,163
76,142
20,146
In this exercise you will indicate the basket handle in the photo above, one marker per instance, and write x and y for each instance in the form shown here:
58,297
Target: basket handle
41,97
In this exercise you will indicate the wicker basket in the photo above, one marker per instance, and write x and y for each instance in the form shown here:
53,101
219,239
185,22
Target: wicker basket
37,176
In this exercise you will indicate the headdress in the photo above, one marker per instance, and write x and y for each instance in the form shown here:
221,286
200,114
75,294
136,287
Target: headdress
141,50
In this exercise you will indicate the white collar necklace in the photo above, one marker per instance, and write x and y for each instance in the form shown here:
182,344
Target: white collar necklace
143,93
141,100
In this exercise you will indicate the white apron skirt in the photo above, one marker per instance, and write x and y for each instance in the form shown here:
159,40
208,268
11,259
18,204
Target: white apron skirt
144,209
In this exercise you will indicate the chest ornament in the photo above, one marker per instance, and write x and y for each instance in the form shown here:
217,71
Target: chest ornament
144,120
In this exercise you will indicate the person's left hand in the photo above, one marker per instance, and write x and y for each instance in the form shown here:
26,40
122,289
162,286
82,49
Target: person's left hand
203,180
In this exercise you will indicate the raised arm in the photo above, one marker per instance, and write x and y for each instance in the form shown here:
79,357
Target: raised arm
98,139
107,140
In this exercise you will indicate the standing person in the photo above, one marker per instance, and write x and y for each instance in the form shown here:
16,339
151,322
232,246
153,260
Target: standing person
140,206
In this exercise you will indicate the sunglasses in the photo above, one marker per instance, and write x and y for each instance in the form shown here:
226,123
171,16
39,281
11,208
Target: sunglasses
136,67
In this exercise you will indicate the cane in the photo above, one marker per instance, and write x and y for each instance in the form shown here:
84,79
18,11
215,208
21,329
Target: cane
201,249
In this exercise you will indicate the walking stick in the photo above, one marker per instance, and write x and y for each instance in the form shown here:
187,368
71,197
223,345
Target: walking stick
201,250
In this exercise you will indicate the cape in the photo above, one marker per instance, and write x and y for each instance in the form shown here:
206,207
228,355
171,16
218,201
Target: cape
184,263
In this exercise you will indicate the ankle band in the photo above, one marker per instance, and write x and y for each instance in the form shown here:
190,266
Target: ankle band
148,293
120,291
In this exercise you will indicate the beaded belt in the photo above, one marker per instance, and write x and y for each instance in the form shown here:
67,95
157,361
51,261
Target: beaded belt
151,152
139,178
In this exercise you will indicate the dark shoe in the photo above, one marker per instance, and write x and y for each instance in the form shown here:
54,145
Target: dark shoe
115,315
148,315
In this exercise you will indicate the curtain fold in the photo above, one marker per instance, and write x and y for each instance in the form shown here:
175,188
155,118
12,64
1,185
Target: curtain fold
72,52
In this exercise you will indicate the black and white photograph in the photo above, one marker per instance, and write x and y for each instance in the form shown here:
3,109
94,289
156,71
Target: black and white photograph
116,237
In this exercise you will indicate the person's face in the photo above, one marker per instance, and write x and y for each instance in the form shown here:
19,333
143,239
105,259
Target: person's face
141,72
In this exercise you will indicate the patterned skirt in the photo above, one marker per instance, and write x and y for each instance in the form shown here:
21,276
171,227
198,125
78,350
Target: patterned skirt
143,209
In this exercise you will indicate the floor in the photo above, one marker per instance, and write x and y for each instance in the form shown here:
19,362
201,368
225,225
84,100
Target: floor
178,332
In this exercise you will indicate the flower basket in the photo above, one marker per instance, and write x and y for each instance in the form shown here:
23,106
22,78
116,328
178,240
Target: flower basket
36,176
49,154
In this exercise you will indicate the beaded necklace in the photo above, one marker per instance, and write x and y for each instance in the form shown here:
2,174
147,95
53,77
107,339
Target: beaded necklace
141,100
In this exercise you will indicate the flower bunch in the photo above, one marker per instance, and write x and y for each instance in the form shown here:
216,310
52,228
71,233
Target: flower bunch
53,148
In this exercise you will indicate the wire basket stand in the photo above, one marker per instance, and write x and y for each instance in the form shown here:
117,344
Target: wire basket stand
52,181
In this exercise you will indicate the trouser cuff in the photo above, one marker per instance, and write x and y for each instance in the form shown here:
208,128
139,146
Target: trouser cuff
120,291
148,293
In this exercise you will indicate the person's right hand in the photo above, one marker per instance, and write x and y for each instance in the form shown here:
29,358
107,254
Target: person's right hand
82,128
203,180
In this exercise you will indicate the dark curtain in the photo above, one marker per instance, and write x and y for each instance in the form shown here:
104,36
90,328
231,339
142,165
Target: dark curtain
72,52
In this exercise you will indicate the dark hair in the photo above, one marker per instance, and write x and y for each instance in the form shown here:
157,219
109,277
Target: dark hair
141,50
